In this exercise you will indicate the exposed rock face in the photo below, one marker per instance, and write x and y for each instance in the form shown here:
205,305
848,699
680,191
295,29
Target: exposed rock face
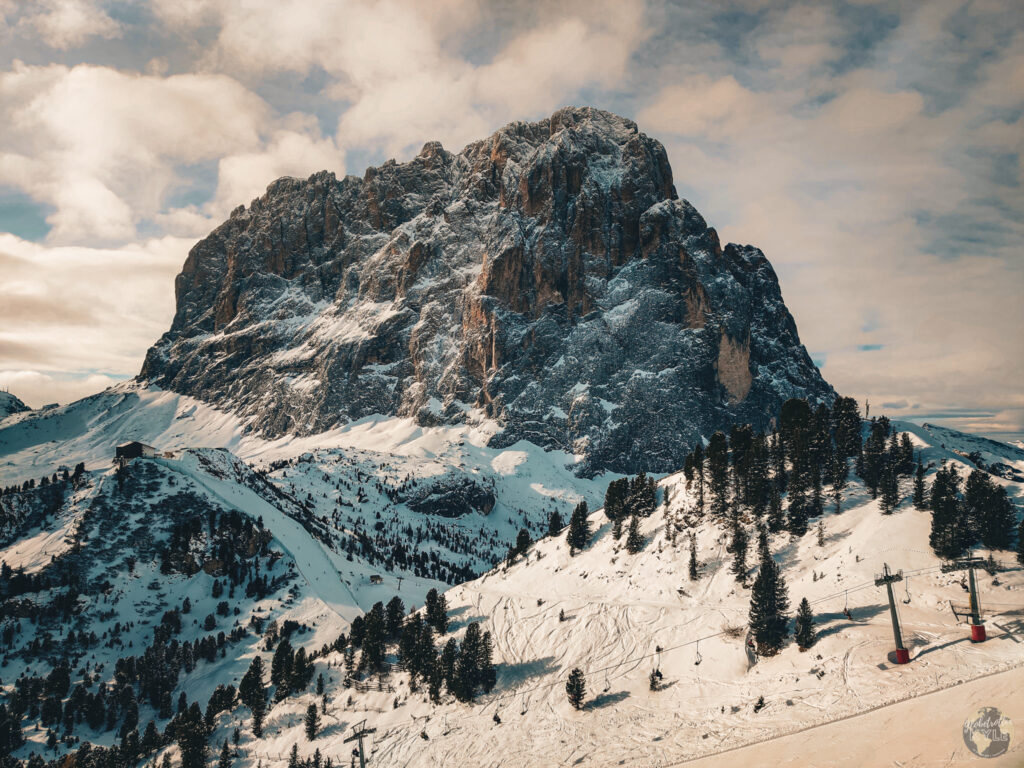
452,497
10,404
547,277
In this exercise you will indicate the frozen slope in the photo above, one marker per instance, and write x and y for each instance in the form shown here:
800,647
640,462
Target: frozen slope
620,609
314,563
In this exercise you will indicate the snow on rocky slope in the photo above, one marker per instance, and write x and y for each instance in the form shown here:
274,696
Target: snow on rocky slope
315,495
10,404
547,275
625,615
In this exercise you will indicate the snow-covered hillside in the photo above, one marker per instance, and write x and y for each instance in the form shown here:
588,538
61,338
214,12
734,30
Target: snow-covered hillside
619,616
378,474
336,508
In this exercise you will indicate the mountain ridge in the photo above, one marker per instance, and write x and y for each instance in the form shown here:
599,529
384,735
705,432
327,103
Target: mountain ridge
547,278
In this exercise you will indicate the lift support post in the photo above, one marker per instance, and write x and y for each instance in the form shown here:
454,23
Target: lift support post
887,578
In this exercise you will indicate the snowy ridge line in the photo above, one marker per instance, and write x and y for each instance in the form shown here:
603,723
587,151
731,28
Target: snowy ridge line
1007,668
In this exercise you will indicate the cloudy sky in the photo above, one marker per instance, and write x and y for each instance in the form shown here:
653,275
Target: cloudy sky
871,149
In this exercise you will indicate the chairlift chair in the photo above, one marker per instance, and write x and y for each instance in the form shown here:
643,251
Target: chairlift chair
906,585
699,658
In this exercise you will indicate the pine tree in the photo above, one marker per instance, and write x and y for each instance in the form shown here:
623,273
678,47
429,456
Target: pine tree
449,657
997,520
555,524
817,492
890,489
190,733
906,455
487,674
838,470
821,533
394,612
698,473
1020,542
634,541
615,499
776,520
579,528
253,693
281,668
846,422
576,688
920,501
225,757
797,512
523,541
805,632
758,482
437,611
11,737
718,471
466,676
948,534
874,455
777,454
768,605
739,544
293,757
312,722
693,558
302,671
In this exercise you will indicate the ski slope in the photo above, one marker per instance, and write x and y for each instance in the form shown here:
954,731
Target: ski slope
311,559
626,615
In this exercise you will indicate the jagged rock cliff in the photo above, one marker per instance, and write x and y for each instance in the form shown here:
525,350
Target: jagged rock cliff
547,277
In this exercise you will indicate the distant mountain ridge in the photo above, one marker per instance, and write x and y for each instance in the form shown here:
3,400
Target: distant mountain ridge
547,277
10,404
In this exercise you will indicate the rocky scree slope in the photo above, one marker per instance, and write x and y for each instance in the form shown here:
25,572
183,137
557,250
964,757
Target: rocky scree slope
547,277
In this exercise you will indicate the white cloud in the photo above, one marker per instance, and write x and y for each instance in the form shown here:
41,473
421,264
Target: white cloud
871,152
713,109
243,176
845,196
396,64
36,389
105,147
71,313
67,24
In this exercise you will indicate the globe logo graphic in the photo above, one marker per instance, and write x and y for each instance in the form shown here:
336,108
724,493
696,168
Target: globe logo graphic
988,732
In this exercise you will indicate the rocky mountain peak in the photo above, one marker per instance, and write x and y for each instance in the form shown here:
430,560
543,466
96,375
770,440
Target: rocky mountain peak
546,277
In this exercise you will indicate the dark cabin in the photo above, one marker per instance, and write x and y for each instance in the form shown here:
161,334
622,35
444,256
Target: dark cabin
134,450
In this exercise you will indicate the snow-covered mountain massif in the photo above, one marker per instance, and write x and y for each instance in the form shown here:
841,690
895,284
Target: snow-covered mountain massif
547,278
364,478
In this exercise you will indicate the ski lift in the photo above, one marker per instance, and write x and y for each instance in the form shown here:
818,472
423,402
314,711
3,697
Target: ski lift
906,584
846,605
699,658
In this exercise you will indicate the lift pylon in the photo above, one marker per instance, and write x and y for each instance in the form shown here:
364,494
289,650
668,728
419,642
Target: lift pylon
887,578
973,611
